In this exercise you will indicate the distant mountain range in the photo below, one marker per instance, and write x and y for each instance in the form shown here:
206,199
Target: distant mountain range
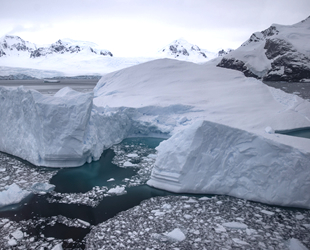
16,46
279,53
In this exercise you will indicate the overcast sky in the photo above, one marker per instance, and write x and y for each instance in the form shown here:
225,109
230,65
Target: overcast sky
142,27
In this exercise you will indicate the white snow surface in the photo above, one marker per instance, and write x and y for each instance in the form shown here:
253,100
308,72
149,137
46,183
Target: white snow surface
87,60
215,118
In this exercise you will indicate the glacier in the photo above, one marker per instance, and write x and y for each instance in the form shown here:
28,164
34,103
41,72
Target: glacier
218,124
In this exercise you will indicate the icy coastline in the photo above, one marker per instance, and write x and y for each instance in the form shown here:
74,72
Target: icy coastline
168,98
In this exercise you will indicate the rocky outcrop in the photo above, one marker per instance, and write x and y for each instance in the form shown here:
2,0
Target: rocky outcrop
279,53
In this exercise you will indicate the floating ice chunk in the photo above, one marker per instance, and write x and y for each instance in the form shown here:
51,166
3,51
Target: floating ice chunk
220,229
191,200
111,179
14,194
18,235
117,190
58,247
128,164
235,225
2,169
153,156
12,242
205,198
133,155
299,217
267,212
166,206
269,130
250,231
294,244
176,234
42,187
241,242
85,223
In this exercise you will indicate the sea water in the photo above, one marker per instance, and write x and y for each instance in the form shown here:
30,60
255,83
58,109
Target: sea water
82,193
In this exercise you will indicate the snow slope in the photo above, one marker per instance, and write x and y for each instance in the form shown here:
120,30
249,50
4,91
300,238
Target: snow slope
279,53
66,57
182,50
200,107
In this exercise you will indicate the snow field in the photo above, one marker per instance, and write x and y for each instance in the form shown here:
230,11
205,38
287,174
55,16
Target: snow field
181,222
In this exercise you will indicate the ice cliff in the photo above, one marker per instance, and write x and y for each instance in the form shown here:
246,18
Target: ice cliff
212,158
45,130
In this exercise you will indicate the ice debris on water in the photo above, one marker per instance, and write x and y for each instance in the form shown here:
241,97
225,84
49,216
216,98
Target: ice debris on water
218,222
18,180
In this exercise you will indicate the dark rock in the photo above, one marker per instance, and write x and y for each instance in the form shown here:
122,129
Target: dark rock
236,64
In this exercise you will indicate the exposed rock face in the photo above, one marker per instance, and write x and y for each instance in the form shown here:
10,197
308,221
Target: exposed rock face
223,52
279,53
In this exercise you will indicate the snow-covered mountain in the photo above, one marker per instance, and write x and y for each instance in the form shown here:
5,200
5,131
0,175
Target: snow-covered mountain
224,52
15,46
182,50
64,58
69,46
279,53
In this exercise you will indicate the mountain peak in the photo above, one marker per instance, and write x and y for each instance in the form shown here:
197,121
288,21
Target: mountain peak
183,50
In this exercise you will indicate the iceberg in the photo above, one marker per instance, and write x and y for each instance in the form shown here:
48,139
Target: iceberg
45,130
219,126
213,158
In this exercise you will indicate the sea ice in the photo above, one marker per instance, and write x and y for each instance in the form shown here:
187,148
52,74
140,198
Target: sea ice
176,234
235,225
117,190
294,244
12,195
42,187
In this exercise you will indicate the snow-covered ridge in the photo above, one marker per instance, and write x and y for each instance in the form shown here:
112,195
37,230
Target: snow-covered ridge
279,53
16,46
69,46
199,107
182,50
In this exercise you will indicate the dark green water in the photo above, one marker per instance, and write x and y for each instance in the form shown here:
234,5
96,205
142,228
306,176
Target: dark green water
302,132
81,180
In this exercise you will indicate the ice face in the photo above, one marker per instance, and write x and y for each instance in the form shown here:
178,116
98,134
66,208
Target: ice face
45,130
212,158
